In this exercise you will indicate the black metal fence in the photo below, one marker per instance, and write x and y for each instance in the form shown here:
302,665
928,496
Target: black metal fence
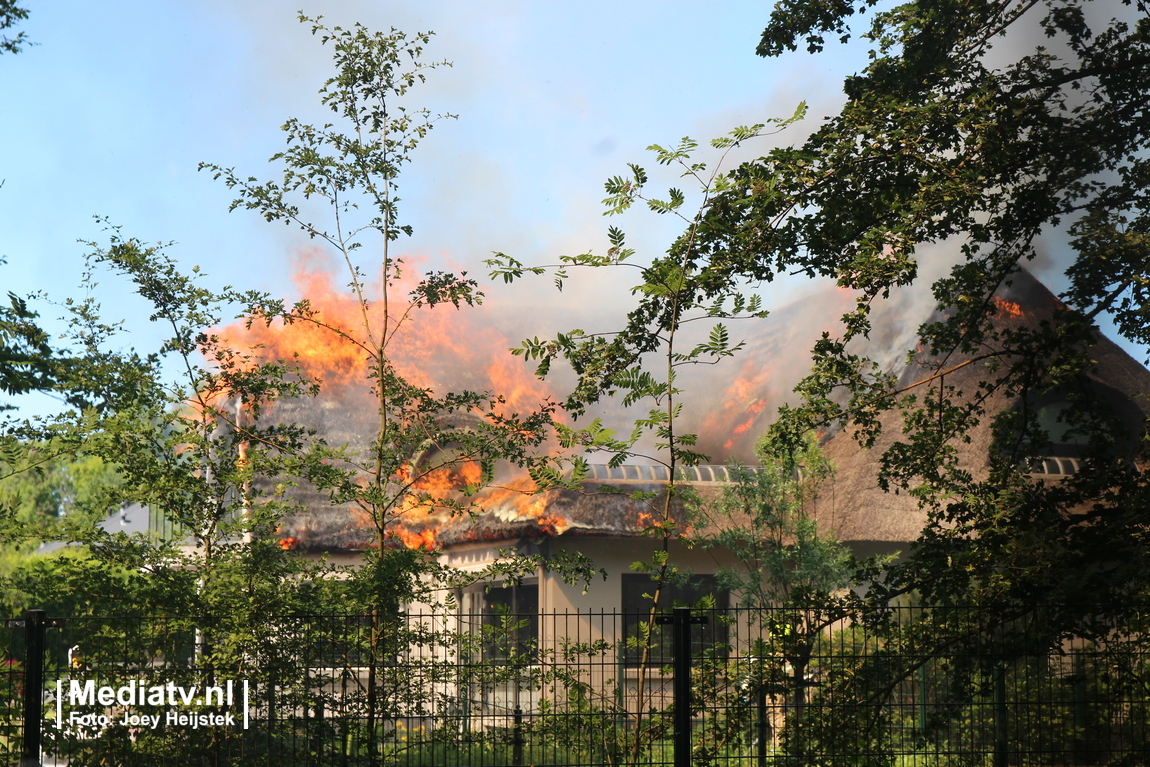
896,687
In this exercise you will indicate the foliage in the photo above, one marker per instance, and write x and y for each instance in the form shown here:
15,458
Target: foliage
794,577
356,173
764,518
29,362
25,356
43,496
209,452
10,15
950,139
419,436
964,132
945,136
614,364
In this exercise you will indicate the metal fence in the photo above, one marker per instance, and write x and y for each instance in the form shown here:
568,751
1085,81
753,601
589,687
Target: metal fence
896,687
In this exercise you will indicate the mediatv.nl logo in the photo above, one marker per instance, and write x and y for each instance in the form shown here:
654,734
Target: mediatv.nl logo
138,693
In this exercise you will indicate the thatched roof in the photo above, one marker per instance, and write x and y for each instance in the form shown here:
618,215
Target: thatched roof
598,507
856,510
851,506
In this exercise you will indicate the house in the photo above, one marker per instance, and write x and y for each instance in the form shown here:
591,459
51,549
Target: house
543,614
856,510
609,527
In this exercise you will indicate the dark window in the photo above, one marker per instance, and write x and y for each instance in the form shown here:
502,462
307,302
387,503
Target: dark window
690,593
511,622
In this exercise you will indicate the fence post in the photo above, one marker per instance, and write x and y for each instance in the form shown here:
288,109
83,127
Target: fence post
1080,755
761,700
681,621
922,698
35,624
517,738
1000,723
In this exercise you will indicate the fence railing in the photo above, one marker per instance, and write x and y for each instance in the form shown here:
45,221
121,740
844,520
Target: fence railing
897,686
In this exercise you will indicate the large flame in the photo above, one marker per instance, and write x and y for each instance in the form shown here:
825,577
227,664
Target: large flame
740,404
444,349
438,348
422,519
1007,308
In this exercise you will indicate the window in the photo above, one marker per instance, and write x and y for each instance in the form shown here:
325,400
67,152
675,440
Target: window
511,622
637,610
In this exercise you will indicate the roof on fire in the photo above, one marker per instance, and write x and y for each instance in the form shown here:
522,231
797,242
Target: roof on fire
852,506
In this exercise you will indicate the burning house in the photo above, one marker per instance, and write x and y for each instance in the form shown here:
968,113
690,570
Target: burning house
610,526
856,510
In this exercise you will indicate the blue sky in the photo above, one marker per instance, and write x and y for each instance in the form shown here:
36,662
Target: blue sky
114,108
111,112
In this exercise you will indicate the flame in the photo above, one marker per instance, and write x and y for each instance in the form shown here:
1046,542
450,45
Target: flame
768,368
742,403
442,349
423,539
438,348
520,499
751,412
1007,308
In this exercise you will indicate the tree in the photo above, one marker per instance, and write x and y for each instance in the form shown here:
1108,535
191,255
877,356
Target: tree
203,451
420,434
422,440
963,131
25,355
764,519
10,15
42,496
796,578
937,142
940,143
614,364
28,362
356,173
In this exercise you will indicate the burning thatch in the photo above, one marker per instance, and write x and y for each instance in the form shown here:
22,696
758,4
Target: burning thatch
856,510
852,507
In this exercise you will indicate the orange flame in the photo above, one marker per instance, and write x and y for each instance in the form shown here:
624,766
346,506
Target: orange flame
438,348
423,539
742,403
1007,308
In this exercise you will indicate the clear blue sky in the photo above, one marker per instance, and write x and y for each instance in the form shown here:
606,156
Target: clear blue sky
111,112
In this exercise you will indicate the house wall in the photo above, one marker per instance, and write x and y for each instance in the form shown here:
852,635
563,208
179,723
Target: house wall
615,556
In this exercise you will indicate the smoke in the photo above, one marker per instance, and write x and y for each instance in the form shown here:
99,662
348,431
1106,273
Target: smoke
547,115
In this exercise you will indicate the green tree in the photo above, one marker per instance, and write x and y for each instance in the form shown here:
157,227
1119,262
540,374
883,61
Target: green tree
25,355
960,131
353,165
10,15
765,519
982,128
41,497
201,450
615,364
795,577
945,143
